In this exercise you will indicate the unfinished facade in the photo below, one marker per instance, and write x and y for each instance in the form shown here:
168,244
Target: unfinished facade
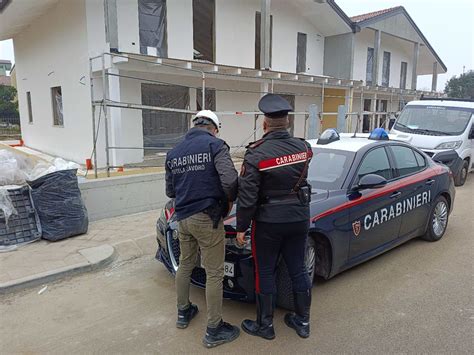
125,76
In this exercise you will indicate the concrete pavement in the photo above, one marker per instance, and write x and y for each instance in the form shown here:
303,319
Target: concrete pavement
124,237
415,299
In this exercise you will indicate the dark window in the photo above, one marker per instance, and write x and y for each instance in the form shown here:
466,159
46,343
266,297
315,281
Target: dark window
210,99
163,129
403,75
366,119
301,53
203,29
57,105
152,25
370,66
328,168
386,69
30,111
258,43
405,160
420,159
375,162
382,106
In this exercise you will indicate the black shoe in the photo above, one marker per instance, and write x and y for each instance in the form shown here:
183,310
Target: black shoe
299,320
185,316
223,333
263,326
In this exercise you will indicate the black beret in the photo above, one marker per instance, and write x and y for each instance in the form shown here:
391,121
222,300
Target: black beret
274,106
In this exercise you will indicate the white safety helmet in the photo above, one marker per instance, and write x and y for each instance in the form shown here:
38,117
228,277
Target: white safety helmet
208,114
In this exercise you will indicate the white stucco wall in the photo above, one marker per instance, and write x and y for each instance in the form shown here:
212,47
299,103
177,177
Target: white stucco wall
127,26
234,33
53,51
400,51
180,29
237,47
287,22
96,27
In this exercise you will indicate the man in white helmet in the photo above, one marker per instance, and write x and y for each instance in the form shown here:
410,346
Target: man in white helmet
201,176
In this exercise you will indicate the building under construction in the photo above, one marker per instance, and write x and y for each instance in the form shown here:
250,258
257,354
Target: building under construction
117,81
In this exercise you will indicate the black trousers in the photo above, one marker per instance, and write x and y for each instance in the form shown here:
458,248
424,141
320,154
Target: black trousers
269,240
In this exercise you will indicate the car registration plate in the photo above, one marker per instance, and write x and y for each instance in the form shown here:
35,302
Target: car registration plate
229,269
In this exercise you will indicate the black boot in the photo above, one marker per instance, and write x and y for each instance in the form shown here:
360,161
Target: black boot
185,316
223,333
299,320
263,326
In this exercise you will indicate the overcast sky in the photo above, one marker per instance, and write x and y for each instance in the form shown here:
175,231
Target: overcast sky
447,24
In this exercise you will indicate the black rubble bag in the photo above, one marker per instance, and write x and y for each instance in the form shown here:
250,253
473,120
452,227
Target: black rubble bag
59,204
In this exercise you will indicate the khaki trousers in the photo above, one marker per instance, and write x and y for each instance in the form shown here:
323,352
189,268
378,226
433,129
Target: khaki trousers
196,232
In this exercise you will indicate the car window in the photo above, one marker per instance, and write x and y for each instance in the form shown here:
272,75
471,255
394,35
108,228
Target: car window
375,162
328,168
434,120
405,160
420,159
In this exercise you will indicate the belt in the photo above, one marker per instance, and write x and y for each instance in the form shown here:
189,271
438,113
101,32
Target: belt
289,197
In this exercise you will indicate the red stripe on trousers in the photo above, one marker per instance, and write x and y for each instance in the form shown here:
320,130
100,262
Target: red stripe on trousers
254,254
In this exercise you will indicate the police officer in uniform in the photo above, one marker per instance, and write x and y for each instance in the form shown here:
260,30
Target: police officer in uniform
274,196
201,176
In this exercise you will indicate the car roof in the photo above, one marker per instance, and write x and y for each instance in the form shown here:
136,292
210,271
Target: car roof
447,103
348,142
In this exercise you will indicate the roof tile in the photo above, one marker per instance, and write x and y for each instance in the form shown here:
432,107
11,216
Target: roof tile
369,15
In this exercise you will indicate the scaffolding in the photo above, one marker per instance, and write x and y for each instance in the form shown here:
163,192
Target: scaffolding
313,118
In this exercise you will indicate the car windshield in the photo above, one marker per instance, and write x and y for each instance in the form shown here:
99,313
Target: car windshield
434,120
328,168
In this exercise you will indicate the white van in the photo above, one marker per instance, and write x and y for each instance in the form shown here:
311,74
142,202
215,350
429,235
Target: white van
436,125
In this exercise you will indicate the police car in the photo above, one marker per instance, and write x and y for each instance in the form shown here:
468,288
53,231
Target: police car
369,195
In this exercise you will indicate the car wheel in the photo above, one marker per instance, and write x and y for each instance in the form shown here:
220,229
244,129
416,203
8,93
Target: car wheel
438,221
283,280
460,179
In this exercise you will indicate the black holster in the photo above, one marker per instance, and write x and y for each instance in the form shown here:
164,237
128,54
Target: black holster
304,194
216,212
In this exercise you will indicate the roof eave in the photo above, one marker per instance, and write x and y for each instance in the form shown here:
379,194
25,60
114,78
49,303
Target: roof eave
342,15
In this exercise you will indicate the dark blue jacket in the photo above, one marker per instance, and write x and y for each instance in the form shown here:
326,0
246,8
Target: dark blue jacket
193,174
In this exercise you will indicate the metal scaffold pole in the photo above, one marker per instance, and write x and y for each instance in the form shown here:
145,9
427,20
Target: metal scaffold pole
94,132
361,117
203,103
322,108
106,126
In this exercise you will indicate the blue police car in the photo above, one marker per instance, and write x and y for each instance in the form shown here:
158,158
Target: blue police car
369,195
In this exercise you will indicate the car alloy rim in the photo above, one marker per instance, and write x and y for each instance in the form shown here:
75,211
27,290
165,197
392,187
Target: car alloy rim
310,259
440,218
463,174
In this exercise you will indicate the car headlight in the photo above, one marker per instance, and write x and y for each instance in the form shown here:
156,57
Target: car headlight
449,145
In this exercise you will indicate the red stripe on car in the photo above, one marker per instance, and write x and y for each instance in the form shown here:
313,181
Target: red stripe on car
429,173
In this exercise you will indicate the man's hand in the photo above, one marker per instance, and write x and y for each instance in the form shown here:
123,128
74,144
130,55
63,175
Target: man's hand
241,238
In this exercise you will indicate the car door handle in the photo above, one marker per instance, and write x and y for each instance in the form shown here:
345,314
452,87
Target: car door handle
429,182
395,194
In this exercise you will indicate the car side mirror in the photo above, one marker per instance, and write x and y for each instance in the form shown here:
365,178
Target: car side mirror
445,157
371,181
